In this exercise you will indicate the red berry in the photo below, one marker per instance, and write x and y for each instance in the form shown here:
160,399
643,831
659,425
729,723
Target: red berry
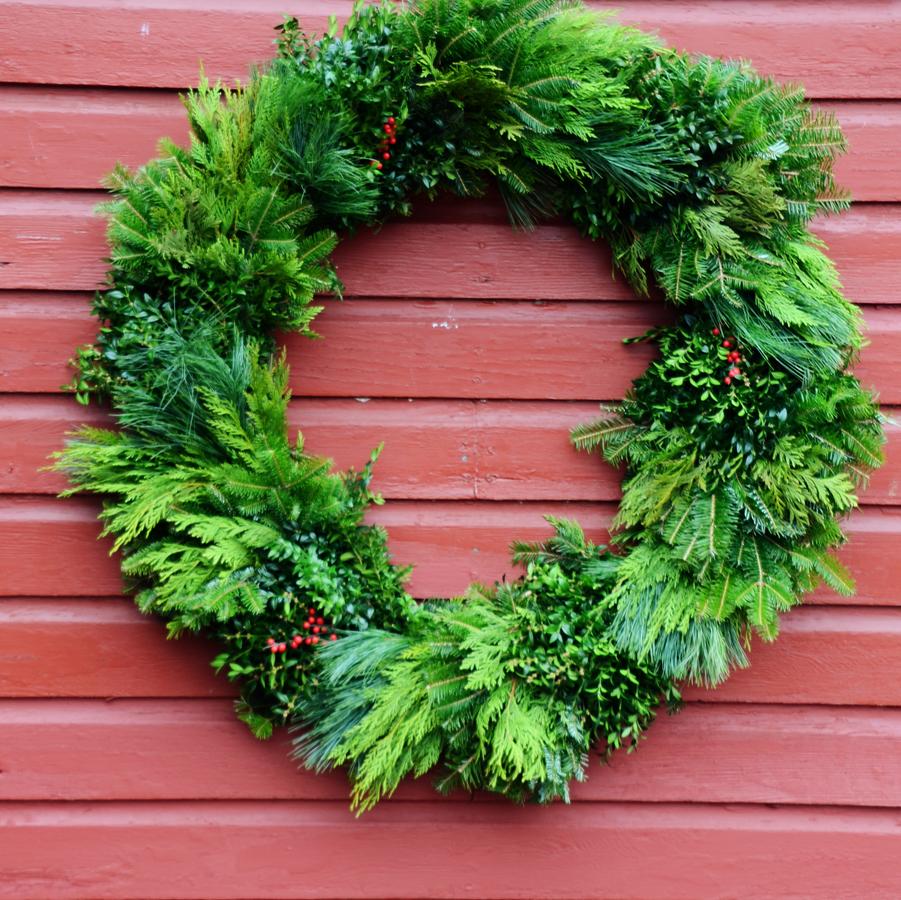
387,129
379,166
392,141
306,625
734,372
273,648
716,331
308,640
320,621
270,641
390,120
386,156
315,629
311,611
334,637
315,640
727,380
282,647
727,344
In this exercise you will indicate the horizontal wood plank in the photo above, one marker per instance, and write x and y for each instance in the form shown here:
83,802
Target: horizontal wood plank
99,648
456,543
179,749
53,240
821,44
451,544
814,646
146,44
828,45
427,348
869,170
433,449
289,849
72,137
70,647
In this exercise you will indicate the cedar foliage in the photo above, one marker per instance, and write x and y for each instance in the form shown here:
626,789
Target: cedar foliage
508,688
730,497
227,525
701,175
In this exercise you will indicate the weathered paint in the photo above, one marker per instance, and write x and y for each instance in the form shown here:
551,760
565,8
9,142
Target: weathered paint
396,348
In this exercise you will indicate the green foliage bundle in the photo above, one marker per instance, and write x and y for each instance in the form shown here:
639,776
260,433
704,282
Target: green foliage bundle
742,443
219,235
733,486
509,688
225,525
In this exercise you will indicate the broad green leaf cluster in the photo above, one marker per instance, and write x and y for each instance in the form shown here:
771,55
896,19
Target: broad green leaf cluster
742,445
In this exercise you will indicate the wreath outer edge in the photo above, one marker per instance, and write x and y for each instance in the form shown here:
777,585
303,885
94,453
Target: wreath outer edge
742,444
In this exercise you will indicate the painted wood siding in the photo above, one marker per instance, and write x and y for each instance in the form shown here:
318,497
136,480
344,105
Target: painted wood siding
470,351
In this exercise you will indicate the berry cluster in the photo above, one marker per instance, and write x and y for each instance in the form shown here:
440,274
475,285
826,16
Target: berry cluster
389,140
318,631
733,357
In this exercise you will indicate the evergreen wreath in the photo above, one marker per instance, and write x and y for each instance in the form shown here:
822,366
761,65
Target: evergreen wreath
742,443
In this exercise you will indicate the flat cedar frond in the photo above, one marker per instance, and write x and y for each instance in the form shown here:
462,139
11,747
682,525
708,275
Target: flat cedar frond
462,684
611,428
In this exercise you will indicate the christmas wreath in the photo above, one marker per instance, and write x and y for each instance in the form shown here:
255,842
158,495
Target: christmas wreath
742,444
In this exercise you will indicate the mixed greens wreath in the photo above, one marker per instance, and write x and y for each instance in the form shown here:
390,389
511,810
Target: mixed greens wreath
742,443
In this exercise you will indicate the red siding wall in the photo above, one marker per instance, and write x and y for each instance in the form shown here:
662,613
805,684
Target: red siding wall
469,351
